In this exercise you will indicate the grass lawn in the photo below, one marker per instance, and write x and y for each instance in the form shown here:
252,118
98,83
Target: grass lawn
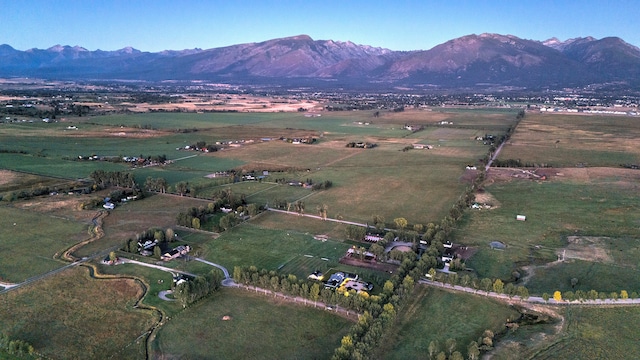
134,217
274,220
82,318
259,328
438,315
157,280
271,249
32,248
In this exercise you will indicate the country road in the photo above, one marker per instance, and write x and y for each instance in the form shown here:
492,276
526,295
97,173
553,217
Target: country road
531,299
316,217
58,270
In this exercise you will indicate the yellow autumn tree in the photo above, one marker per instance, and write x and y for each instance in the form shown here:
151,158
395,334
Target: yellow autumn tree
557,296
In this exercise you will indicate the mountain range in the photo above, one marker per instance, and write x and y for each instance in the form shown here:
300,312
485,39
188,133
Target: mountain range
469,62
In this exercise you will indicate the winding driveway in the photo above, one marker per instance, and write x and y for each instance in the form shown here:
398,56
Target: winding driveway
228,281
159,267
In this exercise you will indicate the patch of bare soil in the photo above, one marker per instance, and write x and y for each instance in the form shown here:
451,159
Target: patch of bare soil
588,248
368,264
133,133
487,198
402,248
580,174
465,252
7,177
597,173
509,174
67,206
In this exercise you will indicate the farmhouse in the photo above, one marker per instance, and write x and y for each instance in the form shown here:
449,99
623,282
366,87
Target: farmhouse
353,251
176,253
372,238
422,146
316,275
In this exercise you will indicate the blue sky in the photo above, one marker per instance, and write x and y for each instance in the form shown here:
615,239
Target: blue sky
398,25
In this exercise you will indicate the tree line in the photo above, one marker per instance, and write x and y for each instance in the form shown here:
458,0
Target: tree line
163,237
581,295
17,348
192,290
103,179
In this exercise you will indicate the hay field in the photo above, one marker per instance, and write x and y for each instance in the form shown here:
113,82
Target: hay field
75,315
569,140
573,202
31,240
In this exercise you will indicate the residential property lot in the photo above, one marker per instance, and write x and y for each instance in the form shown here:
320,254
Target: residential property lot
236,324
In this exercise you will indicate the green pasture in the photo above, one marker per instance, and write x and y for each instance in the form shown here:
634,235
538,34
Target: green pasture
420,195
134,217
258,328
591,333
22,181
75,315
59,145
554,210
55,167
172,121
30,240
282,155
438,315
156,280
270,249
301,224
568,140
591,276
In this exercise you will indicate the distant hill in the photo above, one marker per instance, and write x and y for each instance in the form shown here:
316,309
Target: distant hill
469,62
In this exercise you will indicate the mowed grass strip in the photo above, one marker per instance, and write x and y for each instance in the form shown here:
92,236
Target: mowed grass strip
438,315
247,245
258,327
29,241
73,316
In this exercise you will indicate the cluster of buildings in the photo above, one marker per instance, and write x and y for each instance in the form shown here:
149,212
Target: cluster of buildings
342,281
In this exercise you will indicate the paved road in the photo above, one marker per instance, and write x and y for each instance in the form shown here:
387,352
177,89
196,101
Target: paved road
159,267
61,269
163,295
531,299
